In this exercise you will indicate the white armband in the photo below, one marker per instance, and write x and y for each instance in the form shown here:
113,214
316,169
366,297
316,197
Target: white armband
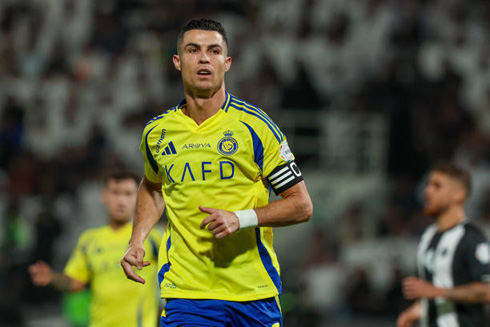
247,218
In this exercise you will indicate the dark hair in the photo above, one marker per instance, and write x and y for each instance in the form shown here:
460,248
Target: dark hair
119,175
205,25
459,174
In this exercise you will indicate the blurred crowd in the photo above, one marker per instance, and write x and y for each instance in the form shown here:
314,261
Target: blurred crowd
80,78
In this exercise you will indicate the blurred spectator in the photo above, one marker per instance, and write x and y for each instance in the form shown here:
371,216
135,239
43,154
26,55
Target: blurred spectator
17,235
48,229
11,132
361,296
323,280
13,278
392,223
352,226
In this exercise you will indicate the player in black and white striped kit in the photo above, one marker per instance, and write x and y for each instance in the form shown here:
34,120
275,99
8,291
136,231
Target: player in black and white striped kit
453,259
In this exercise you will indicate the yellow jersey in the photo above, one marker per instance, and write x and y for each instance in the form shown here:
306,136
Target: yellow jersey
231,162
116,301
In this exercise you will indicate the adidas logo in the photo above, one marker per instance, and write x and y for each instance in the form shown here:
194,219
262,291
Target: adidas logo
169,149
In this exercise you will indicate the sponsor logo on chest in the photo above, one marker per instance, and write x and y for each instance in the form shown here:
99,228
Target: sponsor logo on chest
195,146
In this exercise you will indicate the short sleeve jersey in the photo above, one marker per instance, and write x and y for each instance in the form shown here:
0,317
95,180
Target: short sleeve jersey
231,161
116,301
458,256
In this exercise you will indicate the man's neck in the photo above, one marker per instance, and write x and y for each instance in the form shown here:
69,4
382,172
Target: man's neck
200,108
115,225
450,218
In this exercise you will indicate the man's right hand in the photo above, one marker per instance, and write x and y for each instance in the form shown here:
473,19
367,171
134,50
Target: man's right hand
41,273
410,316
404,320
134,257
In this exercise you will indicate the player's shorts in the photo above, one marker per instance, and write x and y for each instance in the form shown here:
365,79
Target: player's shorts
218,313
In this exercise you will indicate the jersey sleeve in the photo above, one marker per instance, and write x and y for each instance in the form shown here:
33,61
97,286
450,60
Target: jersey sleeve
277,165
478,258
152,171
78,266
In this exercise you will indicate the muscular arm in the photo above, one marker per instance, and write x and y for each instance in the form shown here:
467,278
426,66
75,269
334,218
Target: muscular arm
66,284
43,275
294,207
149,208
476,292
471,293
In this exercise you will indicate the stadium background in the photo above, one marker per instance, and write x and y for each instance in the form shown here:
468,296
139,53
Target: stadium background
370,94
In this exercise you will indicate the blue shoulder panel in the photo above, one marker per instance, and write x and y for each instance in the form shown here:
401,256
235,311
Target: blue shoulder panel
258,147
152,161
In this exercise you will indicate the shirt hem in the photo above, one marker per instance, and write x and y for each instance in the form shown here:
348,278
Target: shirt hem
208,296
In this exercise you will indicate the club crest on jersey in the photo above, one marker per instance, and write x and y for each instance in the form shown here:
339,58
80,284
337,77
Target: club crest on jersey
227,145
482,253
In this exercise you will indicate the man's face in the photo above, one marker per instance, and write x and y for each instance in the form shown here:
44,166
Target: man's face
119,197
203,61
441,193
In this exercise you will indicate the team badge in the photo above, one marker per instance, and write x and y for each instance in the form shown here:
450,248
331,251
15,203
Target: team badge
482,253
227,145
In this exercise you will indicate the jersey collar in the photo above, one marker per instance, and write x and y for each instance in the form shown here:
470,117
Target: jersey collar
224,107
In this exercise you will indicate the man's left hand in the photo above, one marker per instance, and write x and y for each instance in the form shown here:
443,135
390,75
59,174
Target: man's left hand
416,288
221,222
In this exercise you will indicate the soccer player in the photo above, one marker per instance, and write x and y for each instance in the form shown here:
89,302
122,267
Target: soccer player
212,161
116,301
453,259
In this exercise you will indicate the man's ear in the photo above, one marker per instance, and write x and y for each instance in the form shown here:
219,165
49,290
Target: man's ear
460,195
227,63
176,60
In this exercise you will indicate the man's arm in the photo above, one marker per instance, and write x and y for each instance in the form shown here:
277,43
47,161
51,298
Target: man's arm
410,316
149,208
43,275
295,207
477,292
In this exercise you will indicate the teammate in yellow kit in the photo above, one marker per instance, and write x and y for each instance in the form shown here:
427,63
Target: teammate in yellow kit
212,161
115,300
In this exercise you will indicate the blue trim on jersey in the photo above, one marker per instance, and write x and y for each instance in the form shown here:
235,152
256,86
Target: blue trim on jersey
258,147
223,107
227,102
165,267
154,247
267,261
279,139
181,103
259,111
152,161
155,119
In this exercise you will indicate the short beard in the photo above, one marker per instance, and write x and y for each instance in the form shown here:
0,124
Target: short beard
432,213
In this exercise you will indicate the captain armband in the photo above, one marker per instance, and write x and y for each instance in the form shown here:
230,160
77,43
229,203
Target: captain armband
284,176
